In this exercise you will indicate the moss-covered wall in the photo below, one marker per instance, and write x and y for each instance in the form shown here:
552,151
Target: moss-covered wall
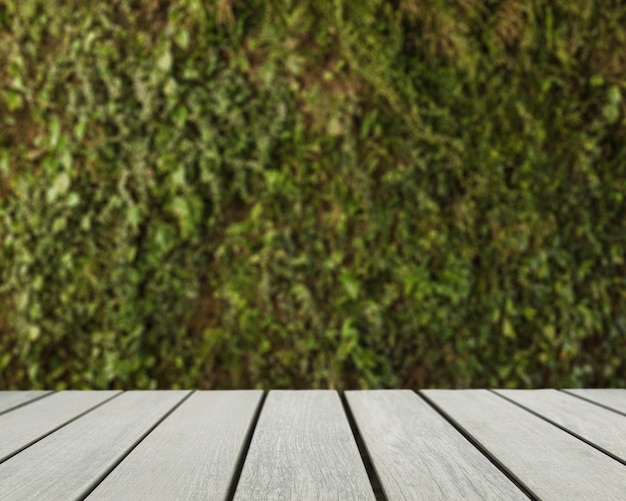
275,193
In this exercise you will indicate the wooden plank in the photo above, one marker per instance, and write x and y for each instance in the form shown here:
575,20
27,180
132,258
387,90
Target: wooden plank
417,454
600,426
25,425
614,398
549,461
303,448
70,462
11,399
192,454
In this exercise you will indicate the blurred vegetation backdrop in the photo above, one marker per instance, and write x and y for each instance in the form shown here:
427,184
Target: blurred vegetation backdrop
312,193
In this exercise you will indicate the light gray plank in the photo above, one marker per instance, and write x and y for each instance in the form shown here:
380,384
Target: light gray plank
615,398
602,427
303,448
25,425
549,461
67,464
12,399
417,454
192,454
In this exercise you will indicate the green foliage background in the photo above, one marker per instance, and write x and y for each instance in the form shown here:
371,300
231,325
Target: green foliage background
312,193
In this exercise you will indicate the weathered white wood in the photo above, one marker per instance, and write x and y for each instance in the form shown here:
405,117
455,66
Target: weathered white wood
602,427
192,454
68,463
417,454
12,399
25,425
549,461
303,448
615,398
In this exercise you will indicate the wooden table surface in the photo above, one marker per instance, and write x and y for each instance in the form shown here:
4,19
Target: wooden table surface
317,444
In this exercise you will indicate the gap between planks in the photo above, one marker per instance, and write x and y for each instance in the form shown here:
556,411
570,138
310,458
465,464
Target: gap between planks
485,452
55,428
245,448
564,428
365,457
99,480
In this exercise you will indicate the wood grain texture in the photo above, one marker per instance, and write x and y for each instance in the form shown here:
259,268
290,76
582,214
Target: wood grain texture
192,454
549,461
615,398
603,428
66,464
417,454
12,399
25,425
303,448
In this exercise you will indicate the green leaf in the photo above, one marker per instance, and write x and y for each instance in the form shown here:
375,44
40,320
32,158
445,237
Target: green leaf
66,158
33,370
4,163
73,199
507,329
59,187
614,95
59,225
55,131
79,129
349,340
85,223
14,100
350,284
182,38
33,333
164,62
27,8
549,332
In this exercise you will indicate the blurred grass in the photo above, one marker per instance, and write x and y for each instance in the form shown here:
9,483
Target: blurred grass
312,194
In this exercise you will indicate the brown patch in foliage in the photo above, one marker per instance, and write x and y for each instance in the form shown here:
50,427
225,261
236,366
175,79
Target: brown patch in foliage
144,15
444,31
24,130
224,12
417,378
321,85
341,87
207,310
511,20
